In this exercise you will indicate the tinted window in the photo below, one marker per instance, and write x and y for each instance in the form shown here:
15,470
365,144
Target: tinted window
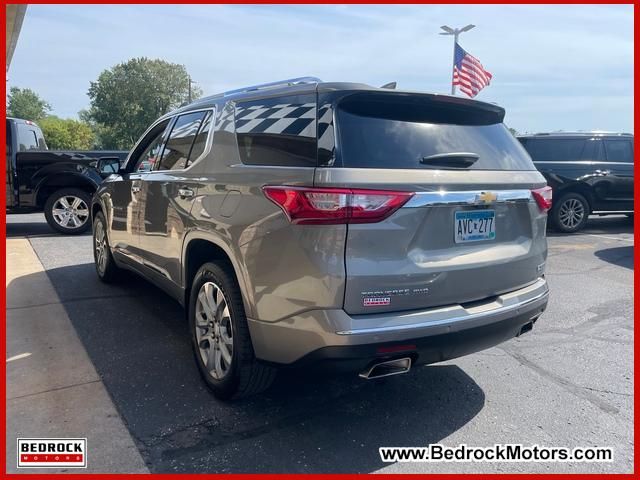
592,150
555,149
8,138
149,149
280,132
27,138
200,142
392,139
619,151
183,133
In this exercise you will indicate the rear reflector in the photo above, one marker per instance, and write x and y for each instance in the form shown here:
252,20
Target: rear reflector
395,348
323,206
543,197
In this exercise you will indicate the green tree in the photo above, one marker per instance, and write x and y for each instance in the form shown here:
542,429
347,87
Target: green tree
27,104
67,134
513,131
128,97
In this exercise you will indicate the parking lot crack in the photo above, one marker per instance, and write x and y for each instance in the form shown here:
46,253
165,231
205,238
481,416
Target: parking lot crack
577,390
56,389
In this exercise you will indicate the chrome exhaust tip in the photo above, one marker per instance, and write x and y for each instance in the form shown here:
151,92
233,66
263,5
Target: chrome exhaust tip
387,368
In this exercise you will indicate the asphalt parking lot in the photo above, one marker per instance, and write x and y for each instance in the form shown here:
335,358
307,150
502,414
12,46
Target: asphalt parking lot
568,383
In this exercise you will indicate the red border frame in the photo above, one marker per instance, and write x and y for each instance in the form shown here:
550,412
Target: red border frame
636,263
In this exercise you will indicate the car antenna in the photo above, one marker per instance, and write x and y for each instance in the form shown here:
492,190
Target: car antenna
390,85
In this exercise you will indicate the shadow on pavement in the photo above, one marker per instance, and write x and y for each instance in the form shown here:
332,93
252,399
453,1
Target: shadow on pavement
609,225
18,227
137,339
28,229
621,256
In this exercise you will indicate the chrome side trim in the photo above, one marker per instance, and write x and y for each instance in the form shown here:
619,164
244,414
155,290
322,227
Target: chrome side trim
469,317
470,197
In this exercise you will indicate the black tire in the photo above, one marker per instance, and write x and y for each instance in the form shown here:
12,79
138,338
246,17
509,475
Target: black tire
570,213
57,221
108,272
245,375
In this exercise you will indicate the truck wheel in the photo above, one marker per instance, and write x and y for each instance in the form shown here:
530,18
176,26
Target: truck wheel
67,211
220,336
106,267
570,213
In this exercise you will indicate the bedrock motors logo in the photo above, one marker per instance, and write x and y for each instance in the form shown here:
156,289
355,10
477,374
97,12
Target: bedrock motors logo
52,453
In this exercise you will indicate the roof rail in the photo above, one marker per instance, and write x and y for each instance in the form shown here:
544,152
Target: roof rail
578,133
280,83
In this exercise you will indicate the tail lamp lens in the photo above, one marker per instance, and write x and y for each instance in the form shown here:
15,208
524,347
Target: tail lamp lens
543,197
325,206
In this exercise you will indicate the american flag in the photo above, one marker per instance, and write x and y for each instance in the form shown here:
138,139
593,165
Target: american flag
469,73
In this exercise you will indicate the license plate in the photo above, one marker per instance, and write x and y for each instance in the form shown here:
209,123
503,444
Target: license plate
474,226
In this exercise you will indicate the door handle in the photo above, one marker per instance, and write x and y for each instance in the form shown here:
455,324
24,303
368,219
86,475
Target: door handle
135,188
185,192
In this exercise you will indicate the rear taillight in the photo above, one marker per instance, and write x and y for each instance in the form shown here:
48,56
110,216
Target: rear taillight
543,197
322,206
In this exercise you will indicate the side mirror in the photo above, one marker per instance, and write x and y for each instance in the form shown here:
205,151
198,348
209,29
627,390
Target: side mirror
108,165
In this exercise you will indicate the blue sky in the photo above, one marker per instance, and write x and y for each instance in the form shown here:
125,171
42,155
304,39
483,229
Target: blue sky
554,66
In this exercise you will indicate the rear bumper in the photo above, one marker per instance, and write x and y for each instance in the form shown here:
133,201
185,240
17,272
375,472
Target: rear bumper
429,336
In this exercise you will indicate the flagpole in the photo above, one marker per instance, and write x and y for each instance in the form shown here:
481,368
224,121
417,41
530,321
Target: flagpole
453,63
455,32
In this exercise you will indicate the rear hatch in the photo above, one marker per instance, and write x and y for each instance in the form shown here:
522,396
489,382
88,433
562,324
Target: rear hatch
472,228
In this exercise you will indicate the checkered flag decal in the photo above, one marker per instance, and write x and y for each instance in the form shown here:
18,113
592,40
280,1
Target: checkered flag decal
284,119
225,119
326,138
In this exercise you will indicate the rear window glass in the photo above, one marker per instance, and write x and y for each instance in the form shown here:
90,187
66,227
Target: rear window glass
383,136
27,138
619,151
555,149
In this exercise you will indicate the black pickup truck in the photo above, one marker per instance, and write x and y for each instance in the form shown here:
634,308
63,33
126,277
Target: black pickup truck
60,183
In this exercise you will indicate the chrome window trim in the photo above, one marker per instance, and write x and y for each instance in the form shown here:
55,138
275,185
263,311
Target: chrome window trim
470,197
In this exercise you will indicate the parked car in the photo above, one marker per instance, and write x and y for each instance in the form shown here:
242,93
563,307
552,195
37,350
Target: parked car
590,172
60,183
310,223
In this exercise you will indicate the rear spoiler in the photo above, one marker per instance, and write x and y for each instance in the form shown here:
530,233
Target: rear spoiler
418,107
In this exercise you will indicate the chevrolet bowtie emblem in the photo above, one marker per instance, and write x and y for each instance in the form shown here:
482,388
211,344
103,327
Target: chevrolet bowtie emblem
486,197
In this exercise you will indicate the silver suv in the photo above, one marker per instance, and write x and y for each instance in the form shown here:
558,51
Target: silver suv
302,222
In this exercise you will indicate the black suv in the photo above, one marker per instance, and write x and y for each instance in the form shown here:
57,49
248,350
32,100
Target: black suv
590,173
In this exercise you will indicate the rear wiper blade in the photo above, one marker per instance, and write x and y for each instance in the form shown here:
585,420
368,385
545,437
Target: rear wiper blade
451,160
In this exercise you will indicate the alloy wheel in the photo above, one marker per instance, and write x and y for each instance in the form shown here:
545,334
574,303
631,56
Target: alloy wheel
214,330
70,211
571,213
100,245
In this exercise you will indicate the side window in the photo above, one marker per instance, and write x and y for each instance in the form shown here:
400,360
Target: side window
555,149
278,132
592,151
619,151
8,139
27,139
200,142
176,151
147,153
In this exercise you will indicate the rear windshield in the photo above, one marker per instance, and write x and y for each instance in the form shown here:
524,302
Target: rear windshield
401,135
